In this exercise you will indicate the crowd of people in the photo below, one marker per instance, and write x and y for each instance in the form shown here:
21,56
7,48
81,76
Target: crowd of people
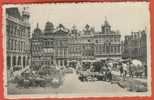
102,70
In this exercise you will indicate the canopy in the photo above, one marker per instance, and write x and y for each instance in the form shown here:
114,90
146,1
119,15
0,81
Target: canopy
136,62
125,66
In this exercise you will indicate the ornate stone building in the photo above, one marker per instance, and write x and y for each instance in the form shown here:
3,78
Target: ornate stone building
37,47
135,46
48,43
87,42
50,46
74,45
61,45
107,42
17,37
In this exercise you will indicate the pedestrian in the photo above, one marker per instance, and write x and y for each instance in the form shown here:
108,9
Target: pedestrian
109,74
124,71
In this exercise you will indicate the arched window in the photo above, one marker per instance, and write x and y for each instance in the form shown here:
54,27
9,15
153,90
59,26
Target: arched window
14,60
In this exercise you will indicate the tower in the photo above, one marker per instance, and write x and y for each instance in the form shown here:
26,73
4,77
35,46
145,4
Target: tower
25,15
49,27
106,28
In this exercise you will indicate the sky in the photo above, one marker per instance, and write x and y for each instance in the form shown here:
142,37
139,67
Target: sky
125,17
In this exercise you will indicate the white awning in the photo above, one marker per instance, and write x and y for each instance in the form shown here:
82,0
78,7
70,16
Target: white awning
136,62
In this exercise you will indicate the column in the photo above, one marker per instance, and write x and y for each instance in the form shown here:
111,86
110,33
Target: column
21,60
54,61
17,60
26,58
115,49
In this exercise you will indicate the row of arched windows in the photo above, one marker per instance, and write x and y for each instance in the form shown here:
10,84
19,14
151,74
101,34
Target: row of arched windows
18,45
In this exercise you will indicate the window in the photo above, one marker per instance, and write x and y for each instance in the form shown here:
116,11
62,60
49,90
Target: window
118,49
111,49
51,42
8,44
115,49
15,30
15,47
23,31
11,28
19,45
8,28
96,41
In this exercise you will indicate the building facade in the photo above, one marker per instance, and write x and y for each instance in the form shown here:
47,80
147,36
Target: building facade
74,45
60,45
107,42
17,37
37,47
87,43
48,43
135,46
50,46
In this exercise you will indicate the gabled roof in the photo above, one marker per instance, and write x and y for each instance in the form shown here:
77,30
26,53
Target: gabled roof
14,12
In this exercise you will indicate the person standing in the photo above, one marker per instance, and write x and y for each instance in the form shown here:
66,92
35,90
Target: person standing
121,69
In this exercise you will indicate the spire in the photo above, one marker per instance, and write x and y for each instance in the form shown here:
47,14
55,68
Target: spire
37,29
106,23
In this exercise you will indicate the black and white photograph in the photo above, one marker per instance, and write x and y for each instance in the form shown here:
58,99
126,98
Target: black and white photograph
77,50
